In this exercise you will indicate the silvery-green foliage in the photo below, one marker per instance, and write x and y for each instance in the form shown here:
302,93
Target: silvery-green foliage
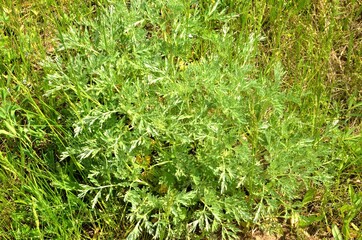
193,141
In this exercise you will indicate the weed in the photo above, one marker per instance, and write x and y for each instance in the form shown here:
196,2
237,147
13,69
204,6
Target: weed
185,119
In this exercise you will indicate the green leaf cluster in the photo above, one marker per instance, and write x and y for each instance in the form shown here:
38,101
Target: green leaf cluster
171,116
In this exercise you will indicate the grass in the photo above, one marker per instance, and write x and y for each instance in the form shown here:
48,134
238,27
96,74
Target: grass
180,119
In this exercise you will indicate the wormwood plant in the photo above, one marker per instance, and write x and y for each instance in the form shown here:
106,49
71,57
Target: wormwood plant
173,120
